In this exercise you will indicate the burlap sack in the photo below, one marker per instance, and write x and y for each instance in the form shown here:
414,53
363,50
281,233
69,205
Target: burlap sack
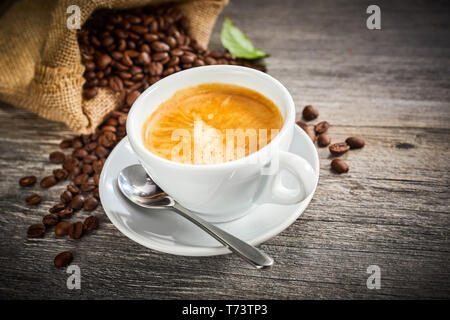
40,64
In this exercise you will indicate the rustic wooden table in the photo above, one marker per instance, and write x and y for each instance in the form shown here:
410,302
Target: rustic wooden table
391,86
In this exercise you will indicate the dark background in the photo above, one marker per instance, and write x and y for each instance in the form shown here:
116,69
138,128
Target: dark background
390,86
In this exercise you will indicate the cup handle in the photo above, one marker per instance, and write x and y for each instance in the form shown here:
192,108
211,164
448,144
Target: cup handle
304,174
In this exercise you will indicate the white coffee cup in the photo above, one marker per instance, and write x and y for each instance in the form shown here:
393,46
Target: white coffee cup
225,191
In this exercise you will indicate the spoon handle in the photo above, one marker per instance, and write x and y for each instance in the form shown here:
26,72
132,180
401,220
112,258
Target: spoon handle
251,254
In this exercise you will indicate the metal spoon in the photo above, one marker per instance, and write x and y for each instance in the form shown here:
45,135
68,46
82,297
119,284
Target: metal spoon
140,189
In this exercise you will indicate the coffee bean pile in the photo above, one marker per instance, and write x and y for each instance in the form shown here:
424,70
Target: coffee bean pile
129,50
318,132
126,51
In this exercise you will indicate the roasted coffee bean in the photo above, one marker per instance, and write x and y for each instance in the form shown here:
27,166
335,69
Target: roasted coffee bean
122,120
27,181
108,128
80,179
57,157
160,56
73,189
79,153
36,231
33,200
87,168
323,140
116,83
103,61
339,148
76,230
77,143
101,151
144,58
65,144
87,186
90,223
77,202
90,158
321,127
90,203
50,219
159,46
89,93
131,97
355,142
311,133
107,139
66,197
90,147
188,57
62,228
66,213
63,259
70,163
60,174
95,193
56,208
75,172
96,178
302,124
97,166
310,113
339,166
48,182
176,52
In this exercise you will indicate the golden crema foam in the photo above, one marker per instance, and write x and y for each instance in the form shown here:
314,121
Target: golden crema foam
211,123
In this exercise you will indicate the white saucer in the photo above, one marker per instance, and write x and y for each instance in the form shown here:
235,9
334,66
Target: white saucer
167,232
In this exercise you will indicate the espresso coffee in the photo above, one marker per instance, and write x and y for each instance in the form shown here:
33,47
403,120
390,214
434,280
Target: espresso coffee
211,123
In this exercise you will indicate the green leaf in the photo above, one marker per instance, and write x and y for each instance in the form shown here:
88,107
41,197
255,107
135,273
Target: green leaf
238,43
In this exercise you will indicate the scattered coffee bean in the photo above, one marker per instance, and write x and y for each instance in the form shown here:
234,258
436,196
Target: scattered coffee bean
48,182
77,202
339,148
50,219
321,127
90,204
62,228
339,166
73,189
323,140
63,259
302,124
90,223
311,133
34,199
27,181
76,230
60,174
70,163
57,157
66,213
310,113
88,186
36,231
355,142
66,197
65,144
57,208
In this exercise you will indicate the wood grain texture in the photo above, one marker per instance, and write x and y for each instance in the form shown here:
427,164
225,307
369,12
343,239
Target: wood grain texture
392,209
